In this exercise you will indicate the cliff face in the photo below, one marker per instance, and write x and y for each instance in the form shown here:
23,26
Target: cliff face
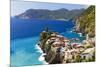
85,23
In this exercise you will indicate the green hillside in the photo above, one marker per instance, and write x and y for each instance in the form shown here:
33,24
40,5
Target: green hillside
86,22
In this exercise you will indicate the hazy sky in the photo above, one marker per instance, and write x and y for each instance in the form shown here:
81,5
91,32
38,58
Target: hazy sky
18,7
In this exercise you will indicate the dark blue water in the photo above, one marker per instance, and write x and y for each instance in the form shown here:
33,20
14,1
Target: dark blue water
21,28
25,35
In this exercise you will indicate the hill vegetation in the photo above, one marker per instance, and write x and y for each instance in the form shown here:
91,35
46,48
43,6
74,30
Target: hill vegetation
85,23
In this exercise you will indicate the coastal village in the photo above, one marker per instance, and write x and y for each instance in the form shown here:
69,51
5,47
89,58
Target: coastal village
59,49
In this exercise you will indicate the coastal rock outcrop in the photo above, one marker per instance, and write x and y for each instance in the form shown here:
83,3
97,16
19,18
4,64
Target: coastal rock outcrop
49,43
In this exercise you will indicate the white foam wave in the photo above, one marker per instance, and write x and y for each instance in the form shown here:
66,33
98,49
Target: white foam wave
41,58
39,49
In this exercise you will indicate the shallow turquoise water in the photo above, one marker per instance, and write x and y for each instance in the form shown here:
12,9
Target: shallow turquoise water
25,52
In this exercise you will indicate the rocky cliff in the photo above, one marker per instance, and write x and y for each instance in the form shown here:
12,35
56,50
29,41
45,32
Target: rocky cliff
85,23
47,40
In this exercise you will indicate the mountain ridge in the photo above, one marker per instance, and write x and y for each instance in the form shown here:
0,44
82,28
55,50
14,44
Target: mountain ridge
50,14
